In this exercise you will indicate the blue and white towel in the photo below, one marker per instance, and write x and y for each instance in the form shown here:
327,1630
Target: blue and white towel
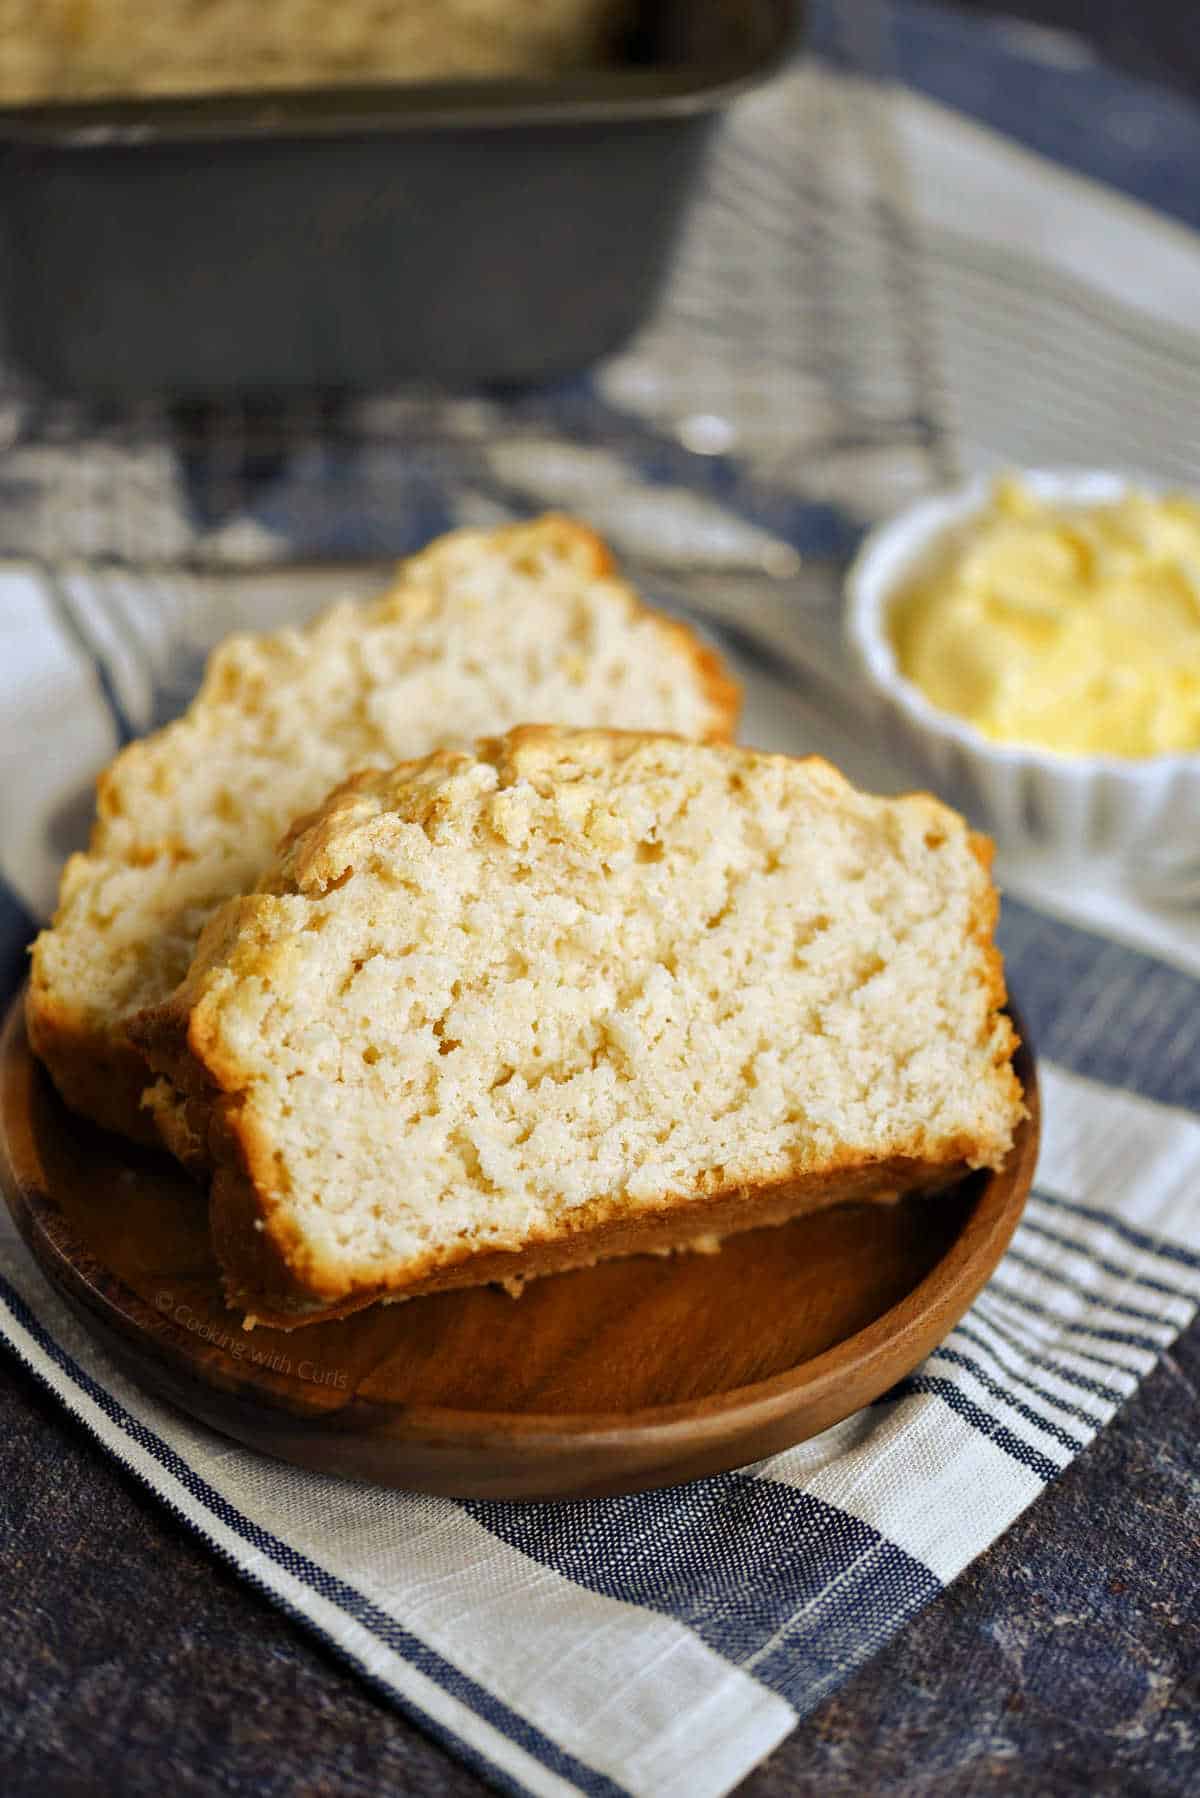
842,330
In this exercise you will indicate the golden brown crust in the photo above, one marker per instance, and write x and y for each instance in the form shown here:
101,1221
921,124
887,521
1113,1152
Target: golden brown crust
95,1063
567,537
577,542
98,1072
260,1265
723,693
273,1274
983,927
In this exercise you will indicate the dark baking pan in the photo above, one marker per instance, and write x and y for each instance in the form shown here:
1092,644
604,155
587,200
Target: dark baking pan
348,238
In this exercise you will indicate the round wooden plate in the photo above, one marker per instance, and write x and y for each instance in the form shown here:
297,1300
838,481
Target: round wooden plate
632,1374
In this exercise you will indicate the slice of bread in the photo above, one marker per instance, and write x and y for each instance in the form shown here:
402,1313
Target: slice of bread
480,631
579,994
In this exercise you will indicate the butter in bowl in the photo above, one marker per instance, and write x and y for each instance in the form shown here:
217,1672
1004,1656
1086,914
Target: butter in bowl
1033,644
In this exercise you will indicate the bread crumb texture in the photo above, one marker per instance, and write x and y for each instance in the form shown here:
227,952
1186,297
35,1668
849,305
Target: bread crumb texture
576,974
481,631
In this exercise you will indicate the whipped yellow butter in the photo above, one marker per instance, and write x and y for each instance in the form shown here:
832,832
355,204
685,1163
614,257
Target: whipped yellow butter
1067,627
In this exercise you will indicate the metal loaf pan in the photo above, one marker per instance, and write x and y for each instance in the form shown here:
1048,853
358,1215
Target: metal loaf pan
349,238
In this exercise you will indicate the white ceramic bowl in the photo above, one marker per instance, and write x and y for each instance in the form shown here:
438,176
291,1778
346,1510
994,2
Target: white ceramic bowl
1032,800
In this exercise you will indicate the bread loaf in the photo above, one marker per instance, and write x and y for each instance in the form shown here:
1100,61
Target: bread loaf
105,49
578,994
482,630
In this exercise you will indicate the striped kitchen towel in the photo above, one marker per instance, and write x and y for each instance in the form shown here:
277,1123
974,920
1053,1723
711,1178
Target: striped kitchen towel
662,1644
841,331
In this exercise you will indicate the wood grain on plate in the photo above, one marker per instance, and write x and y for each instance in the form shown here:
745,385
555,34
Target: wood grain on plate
632,1374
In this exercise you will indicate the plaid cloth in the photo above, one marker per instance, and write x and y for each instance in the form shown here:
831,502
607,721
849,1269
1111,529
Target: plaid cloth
873,294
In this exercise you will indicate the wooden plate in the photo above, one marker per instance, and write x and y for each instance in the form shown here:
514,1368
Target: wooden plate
633,1374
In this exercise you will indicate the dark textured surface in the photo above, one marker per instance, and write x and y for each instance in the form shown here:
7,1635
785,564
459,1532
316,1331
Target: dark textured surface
1066,1660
